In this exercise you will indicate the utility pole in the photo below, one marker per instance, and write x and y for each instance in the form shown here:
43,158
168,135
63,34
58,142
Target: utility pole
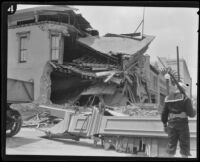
143,22
178,70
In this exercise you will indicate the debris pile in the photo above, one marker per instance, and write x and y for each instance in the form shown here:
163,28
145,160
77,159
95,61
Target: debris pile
138,112
26,110
32,116
108,70
41,120
96,69
93,71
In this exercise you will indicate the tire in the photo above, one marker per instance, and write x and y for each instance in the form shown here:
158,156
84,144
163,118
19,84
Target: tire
14,123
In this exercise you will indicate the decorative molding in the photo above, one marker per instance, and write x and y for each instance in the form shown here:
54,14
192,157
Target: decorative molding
23,33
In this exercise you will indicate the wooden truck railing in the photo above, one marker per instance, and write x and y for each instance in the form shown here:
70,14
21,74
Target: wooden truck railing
140,136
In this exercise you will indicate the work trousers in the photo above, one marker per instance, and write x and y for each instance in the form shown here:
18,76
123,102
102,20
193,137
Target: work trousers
178,131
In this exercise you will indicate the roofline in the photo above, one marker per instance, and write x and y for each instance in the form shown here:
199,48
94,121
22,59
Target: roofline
98,52
130,54
43,22
40,8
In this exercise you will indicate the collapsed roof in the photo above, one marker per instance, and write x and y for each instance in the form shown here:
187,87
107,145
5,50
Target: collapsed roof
102,77
116,45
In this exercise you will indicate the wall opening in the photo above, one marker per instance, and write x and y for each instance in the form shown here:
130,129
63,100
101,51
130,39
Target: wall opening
65,88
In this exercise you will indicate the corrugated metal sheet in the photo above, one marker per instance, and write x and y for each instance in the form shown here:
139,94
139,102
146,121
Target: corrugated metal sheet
99,89
113,45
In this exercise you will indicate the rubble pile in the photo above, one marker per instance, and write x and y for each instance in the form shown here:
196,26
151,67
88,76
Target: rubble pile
93,70
41,120
139,112
26,110
32,116
106,79
102,67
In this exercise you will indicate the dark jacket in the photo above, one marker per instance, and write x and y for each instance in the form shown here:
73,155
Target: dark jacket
177,103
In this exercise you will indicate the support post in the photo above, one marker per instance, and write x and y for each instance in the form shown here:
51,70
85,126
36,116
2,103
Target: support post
178,70
143,23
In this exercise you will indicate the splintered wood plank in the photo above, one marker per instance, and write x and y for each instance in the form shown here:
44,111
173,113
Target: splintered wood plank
137,143
58,112
124,144
154,147
130,145
148,146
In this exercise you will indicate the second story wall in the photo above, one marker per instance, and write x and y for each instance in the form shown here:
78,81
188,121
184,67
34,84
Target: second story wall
36,45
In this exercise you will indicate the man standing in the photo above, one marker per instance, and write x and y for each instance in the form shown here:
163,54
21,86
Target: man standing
174,116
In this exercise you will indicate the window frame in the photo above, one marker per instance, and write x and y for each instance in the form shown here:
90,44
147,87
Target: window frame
20,35
56,48
22,56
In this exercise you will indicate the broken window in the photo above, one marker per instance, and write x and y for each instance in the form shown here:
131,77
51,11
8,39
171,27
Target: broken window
55,47
23,38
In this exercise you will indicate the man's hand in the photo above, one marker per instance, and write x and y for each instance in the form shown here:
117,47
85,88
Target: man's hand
165,129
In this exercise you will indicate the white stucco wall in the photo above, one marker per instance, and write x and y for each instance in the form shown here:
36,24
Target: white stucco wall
38,55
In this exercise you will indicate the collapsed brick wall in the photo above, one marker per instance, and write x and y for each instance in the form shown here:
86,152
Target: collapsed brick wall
45,85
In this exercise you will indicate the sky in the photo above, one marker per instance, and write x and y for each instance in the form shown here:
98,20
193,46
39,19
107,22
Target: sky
171,27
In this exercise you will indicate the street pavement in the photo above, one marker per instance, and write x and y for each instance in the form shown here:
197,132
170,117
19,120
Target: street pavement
30,141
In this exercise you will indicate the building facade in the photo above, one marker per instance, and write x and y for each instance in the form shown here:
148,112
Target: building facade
156,82
36,36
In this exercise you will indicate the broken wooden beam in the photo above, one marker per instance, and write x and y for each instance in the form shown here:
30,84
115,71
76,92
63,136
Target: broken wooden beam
109,77
58,112
105,73
130,36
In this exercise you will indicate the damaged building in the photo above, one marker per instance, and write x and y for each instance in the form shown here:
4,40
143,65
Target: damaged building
38,35
84,85
66,60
